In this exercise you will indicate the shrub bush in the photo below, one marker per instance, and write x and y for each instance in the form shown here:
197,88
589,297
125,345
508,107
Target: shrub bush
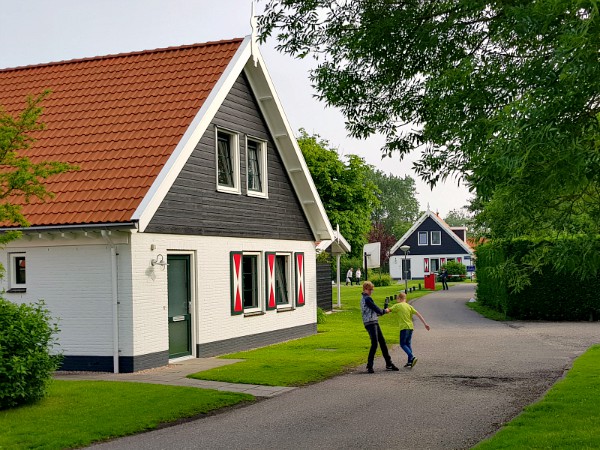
382,279
26,364
507,283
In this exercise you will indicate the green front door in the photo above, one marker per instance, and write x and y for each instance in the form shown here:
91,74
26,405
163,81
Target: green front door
180,300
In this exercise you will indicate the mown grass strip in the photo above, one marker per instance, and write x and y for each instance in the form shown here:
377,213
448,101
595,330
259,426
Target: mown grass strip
78,413
568,417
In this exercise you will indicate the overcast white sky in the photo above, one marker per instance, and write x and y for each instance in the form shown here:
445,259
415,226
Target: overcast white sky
40,31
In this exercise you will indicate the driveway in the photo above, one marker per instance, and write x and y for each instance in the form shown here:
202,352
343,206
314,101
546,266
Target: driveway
472,376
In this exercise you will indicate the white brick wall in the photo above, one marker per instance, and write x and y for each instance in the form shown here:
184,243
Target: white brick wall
212,319
74,279
417,264
75,282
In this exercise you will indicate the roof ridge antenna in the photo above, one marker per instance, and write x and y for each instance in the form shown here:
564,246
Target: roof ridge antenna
254,36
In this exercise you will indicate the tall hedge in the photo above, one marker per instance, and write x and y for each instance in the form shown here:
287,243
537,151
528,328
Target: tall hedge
26,346
513,279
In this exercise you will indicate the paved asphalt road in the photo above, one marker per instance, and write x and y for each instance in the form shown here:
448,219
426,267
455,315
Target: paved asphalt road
473,375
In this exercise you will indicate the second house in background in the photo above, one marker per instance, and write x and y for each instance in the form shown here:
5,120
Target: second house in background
432,244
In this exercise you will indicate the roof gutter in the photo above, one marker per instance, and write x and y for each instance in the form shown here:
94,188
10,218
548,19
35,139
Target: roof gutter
82,227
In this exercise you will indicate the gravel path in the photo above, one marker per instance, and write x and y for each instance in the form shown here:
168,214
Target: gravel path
473,375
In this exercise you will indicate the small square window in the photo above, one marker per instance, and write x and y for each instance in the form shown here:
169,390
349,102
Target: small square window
422,237
228,167
434,265
436,238
256,163
18,272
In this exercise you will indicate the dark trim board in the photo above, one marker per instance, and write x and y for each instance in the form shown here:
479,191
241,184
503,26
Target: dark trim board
324,287
127,364
254,341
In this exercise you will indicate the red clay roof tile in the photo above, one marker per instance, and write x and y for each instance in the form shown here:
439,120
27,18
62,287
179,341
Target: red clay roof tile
118,117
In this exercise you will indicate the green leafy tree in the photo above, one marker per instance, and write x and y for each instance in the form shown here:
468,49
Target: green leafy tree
398,206
502,94
19,175
26,332
346,191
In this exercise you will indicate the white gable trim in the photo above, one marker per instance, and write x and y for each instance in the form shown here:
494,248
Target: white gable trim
167,176
285,142
443,225
288,148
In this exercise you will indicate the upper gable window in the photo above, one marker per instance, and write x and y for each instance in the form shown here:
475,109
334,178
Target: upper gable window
228,162
422,237
436,238
256,164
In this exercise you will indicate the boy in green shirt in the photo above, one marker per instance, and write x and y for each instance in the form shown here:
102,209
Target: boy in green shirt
405,313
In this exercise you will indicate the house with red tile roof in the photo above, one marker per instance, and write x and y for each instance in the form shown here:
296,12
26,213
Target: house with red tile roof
189,229
432,243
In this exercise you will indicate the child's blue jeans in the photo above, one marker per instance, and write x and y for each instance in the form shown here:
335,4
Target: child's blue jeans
406,343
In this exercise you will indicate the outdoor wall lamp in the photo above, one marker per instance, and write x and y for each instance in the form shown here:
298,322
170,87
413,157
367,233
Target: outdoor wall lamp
159,261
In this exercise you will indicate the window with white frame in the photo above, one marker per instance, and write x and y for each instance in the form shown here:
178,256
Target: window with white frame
436,238
228,161
18,272
422,238
250,281
256,163
282,280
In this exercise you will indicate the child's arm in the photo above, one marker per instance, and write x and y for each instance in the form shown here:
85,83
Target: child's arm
422,320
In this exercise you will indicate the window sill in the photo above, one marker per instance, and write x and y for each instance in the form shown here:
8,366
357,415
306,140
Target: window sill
253,313
257,194
17,290
285,309
228,190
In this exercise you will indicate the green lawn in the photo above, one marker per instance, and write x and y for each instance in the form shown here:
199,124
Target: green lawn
341,343
77,413
568,417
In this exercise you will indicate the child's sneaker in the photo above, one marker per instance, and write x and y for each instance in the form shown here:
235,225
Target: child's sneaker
407,365
370,370
391,367
413,362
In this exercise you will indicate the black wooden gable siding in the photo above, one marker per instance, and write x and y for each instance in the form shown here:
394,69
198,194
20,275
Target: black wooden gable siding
449,245
193,206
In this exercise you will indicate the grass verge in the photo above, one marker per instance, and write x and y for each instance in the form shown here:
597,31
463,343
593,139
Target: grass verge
341,342
78,413
488,313
566,418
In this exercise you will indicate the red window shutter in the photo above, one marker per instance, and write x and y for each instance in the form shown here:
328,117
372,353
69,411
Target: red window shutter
426,262
459,259
270,280
237,306
300,292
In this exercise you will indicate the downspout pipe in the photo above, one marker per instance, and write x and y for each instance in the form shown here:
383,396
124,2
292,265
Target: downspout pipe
115,299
